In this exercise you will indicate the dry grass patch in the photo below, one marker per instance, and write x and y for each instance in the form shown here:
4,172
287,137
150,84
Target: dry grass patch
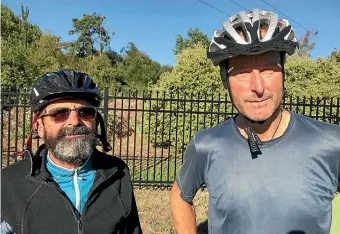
155,215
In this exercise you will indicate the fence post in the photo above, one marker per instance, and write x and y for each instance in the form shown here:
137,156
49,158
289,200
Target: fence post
106,106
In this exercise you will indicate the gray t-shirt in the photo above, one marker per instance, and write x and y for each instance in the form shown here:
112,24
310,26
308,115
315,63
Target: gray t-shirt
288,188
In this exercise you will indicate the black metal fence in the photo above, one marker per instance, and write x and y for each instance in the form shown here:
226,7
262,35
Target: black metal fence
149,130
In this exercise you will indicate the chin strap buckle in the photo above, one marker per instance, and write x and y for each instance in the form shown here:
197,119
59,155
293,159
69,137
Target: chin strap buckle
253,139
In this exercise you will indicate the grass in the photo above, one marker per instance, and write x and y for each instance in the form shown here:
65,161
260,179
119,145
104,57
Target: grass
159,171
336,215
156,218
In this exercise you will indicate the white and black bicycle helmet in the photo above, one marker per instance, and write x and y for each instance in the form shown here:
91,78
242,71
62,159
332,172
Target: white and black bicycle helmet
228,43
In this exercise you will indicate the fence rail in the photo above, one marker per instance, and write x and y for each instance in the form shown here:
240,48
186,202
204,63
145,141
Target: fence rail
149,130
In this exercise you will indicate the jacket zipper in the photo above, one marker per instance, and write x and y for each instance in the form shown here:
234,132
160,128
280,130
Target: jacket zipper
77,219
76,189
77,193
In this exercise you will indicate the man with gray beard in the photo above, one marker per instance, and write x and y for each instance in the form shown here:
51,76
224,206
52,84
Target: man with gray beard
74,151
68,186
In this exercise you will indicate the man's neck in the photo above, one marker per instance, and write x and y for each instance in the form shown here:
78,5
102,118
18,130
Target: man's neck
60,163
270,129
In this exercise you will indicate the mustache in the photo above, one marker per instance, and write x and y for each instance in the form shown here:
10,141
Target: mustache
257,98
75,131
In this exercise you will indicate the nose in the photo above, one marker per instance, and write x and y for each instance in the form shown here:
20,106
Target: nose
73,119
257,83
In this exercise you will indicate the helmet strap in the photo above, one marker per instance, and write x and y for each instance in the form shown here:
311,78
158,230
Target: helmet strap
253,138
102,137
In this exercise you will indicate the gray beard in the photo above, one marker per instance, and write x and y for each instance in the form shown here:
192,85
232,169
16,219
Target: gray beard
75,151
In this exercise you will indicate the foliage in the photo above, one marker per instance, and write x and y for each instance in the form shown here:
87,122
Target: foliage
335,56
137,70
193,72
318,78
18,40
306,44
193,78
195,37
91,31
47,56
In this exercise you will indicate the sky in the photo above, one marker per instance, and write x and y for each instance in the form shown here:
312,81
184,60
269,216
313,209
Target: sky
154,25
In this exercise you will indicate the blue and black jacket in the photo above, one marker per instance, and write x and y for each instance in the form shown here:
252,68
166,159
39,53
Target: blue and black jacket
38,197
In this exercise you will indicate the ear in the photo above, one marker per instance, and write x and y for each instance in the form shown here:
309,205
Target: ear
40,128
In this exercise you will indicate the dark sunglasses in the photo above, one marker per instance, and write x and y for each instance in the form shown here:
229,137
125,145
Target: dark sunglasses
59,115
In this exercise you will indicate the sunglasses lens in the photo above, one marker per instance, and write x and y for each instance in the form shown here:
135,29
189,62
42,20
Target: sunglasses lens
60,115
87,113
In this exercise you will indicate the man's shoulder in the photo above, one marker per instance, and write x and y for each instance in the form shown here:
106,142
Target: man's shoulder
18,169
318,125
217,131
107,161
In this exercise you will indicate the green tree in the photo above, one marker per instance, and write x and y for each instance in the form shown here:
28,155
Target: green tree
307,77
193,77
194,37
91,33
193,72
18,41
335,55
306,44
48,55
9,23
138,70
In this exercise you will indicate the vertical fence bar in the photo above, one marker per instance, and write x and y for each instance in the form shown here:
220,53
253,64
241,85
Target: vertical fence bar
183,132
106,111
211,109
162,149
311,106
297,104
198,110
141,142
337,111
9,133
205,109
304,105
148,156
290,103
114,122
24,122
128,128
218,107
225,106
176,149
317,108
324,109
284,101
134,139
170,142
330,110
106,107
30,125
16,121
156,140
190,124
2,128
232,106
121,124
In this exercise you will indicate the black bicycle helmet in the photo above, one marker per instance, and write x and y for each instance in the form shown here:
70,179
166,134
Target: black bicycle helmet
63,84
